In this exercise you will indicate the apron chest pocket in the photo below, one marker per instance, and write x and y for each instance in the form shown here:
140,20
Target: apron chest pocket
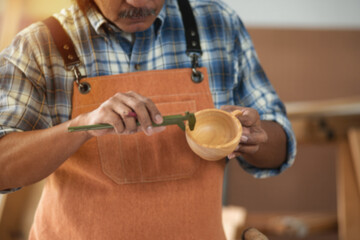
139,158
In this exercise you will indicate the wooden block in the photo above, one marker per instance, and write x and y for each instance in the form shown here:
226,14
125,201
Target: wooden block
2,204
19,210
233,218
348,195
354,141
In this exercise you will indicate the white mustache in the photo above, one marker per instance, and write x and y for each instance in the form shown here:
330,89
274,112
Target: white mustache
137,12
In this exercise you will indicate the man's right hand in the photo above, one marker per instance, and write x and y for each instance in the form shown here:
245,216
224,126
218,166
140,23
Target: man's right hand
27,157
116,112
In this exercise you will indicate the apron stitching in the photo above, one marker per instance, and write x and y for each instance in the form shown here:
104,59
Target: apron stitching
159,96
191,103
178,95
123,170
156,103
139,160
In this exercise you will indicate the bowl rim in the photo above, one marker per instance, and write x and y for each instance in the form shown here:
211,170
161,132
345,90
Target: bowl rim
225,145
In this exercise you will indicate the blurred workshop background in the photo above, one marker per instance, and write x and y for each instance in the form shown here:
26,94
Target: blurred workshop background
310,51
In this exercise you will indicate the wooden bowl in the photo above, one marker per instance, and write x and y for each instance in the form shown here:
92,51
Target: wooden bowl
216,134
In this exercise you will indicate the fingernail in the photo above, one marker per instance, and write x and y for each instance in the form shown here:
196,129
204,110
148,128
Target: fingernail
158,118
160,129
231,155
244,139
237,148
149,131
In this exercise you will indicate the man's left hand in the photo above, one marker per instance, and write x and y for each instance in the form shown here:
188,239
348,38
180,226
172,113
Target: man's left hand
253,134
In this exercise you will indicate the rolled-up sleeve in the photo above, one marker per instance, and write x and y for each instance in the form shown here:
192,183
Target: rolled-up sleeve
22,100
7,191
254,90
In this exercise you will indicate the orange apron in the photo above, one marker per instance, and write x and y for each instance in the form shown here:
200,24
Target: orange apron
135,187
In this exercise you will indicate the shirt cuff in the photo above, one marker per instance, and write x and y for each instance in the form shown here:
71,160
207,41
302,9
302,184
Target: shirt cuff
6,130
6,191
290,146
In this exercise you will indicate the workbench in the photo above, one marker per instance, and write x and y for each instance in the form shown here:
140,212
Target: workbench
336,120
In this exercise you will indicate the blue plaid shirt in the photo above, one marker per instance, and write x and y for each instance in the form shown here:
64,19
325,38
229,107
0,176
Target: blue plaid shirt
36,90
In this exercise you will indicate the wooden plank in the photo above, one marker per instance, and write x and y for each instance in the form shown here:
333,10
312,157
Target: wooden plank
19,212
323,129
348,195
348,106
2,204
354,140
321,121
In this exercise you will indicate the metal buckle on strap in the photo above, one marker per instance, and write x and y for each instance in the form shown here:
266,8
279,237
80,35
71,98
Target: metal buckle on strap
196,76
84,87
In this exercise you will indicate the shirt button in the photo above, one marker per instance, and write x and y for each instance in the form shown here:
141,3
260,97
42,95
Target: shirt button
137,66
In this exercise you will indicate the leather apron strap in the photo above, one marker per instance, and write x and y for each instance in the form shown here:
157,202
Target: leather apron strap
71,60
63,42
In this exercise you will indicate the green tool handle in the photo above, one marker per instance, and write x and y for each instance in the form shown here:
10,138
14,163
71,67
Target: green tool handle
167,120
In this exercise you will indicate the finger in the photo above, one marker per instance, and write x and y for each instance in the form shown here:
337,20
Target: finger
244,139
257,136
159,129
234,153
122,122
129,121
248,117
106,114
138,106
150,106
231,155
114,120
146,111
246,131
246,148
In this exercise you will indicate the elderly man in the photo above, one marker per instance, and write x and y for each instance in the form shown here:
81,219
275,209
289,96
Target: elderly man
128,63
